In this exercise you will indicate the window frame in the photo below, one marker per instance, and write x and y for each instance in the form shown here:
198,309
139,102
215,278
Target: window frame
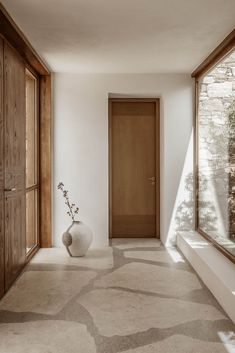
223,50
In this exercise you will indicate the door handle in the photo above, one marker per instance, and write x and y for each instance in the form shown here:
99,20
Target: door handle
153,179
9,190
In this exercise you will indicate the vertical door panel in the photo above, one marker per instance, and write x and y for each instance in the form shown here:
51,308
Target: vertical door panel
31,131
1,176
14,117
32,177
134,169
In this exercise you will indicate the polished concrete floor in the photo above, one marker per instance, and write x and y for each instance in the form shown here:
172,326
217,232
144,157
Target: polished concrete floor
134,297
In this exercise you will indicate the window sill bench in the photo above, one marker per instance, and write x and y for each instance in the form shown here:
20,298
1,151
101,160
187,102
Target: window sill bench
215,270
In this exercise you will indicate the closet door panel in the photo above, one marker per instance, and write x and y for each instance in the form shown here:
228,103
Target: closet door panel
14,153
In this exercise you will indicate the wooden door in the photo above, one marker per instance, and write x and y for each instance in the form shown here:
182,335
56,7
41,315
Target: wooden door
134,168
14,148
1,176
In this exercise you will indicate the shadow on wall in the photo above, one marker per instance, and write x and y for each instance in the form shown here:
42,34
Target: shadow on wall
185,211
183,215
182,218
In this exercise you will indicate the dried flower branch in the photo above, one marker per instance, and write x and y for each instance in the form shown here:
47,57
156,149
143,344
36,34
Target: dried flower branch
73,210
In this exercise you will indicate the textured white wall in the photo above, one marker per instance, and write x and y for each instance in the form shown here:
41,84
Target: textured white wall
81,142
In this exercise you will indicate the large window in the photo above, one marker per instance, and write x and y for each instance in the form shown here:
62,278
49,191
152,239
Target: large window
32,165
216,155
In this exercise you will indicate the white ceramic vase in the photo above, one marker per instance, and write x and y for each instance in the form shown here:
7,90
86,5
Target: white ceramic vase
77,239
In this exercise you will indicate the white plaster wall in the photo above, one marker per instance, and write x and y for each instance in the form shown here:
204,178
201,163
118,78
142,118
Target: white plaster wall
81,143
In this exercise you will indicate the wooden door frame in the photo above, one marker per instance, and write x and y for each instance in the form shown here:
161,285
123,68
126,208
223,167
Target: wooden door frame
110,129
14,37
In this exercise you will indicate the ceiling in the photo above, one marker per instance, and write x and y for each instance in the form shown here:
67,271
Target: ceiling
123,36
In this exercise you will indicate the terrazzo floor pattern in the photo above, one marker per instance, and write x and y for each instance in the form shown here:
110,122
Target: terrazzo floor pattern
133,297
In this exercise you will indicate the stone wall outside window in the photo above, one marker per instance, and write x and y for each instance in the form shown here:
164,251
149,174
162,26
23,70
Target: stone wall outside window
216,149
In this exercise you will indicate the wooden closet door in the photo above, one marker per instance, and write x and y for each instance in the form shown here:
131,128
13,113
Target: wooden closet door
14,153
1,176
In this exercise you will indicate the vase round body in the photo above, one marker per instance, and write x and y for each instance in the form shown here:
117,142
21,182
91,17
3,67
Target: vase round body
77,238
